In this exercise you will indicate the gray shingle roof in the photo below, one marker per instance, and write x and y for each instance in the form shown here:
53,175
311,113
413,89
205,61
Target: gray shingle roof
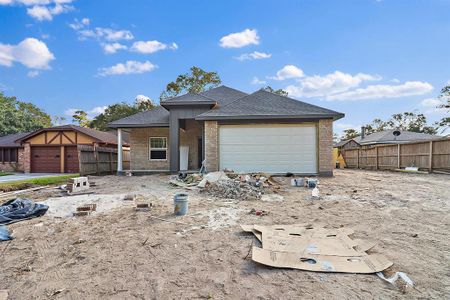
387,137
223,94
157,117
263,105
10,139
188,98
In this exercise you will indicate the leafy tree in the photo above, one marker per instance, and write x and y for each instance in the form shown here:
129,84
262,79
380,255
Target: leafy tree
17,116
81,118
196,81
349,134
279,91
411,122
444,123
118,111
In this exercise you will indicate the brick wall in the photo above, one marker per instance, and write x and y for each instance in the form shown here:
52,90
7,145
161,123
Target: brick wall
139,152
325,147
14,166
211,146
26,158
139,139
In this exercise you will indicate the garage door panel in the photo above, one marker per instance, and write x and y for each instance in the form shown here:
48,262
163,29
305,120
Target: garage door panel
276,149
45,159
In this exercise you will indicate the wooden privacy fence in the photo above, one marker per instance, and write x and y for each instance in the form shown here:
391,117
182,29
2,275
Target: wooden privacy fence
433,155
101,160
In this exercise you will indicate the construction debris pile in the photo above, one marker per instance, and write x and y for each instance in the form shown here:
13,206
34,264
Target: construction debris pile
229,185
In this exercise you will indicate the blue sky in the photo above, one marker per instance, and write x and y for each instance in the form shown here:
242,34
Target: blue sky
366,58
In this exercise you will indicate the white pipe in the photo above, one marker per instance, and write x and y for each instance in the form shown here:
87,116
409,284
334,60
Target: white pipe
119,150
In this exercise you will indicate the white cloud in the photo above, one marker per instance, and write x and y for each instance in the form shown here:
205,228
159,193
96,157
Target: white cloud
432,102
143,98
77,24
240,39
253,55
33,73
113,35
130,67
46,12
256,80
113,48
330,84
288,72
30,52
148,47
92,113
100,33
409,88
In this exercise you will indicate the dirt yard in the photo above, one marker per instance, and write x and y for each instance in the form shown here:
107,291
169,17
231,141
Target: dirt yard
120,253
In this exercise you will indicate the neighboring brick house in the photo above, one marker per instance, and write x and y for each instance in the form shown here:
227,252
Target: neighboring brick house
50,150
229,129
11,153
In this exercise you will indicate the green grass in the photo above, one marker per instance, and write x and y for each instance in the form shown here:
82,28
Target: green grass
27,183
5,174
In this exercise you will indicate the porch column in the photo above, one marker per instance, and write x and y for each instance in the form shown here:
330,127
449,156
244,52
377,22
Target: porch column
119,151
174,144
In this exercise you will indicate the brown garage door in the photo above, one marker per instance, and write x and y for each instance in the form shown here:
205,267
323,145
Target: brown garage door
45,159
71,160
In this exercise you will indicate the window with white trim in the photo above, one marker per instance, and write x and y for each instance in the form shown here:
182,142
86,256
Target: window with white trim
158,148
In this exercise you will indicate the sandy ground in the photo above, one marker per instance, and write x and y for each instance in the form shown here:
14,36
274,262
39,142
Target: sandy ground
121,253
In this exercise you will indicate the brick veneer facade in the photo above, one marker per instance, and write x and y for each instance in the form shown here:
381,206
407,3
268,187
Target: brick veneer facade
14,166
212,146
325,133
139,151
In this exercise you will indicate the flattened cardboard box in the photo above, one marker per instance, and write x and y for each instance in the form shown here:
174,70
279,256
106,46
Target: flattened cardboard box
314,249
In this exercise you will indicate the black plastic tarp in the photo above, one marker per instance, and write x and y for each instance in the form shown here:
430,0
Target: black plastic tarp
20,209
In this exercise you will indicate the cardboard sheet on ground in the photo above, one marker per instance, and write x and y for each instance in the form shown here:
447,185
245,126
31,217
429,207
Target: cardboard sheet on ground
313,248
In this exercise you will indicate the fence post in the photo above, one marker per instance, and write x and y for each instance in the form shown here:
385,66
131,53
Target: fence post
96,159
430,161
398,156
357,158
111,163
376,158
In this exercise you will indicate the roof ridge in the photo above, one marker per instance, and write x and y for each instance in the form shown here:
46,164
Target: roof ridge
189,93
292,99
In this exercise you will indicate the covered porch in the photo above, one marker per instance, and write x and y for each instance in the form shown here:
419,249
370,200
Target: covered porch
168,149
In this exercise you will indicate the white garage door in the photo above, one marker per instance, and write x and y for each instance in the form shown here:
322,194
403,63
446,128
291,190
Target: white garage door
268,148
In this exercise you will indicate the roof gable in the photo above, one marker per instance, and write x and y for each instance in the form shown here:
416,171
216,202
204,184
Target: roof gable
264,104
100,136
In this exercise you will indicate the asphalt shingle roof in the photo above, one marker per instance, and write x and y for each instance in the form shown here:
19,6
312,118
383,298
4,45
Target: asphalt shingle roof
158,116
264,104
188,98
223,94
10,139
387,137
